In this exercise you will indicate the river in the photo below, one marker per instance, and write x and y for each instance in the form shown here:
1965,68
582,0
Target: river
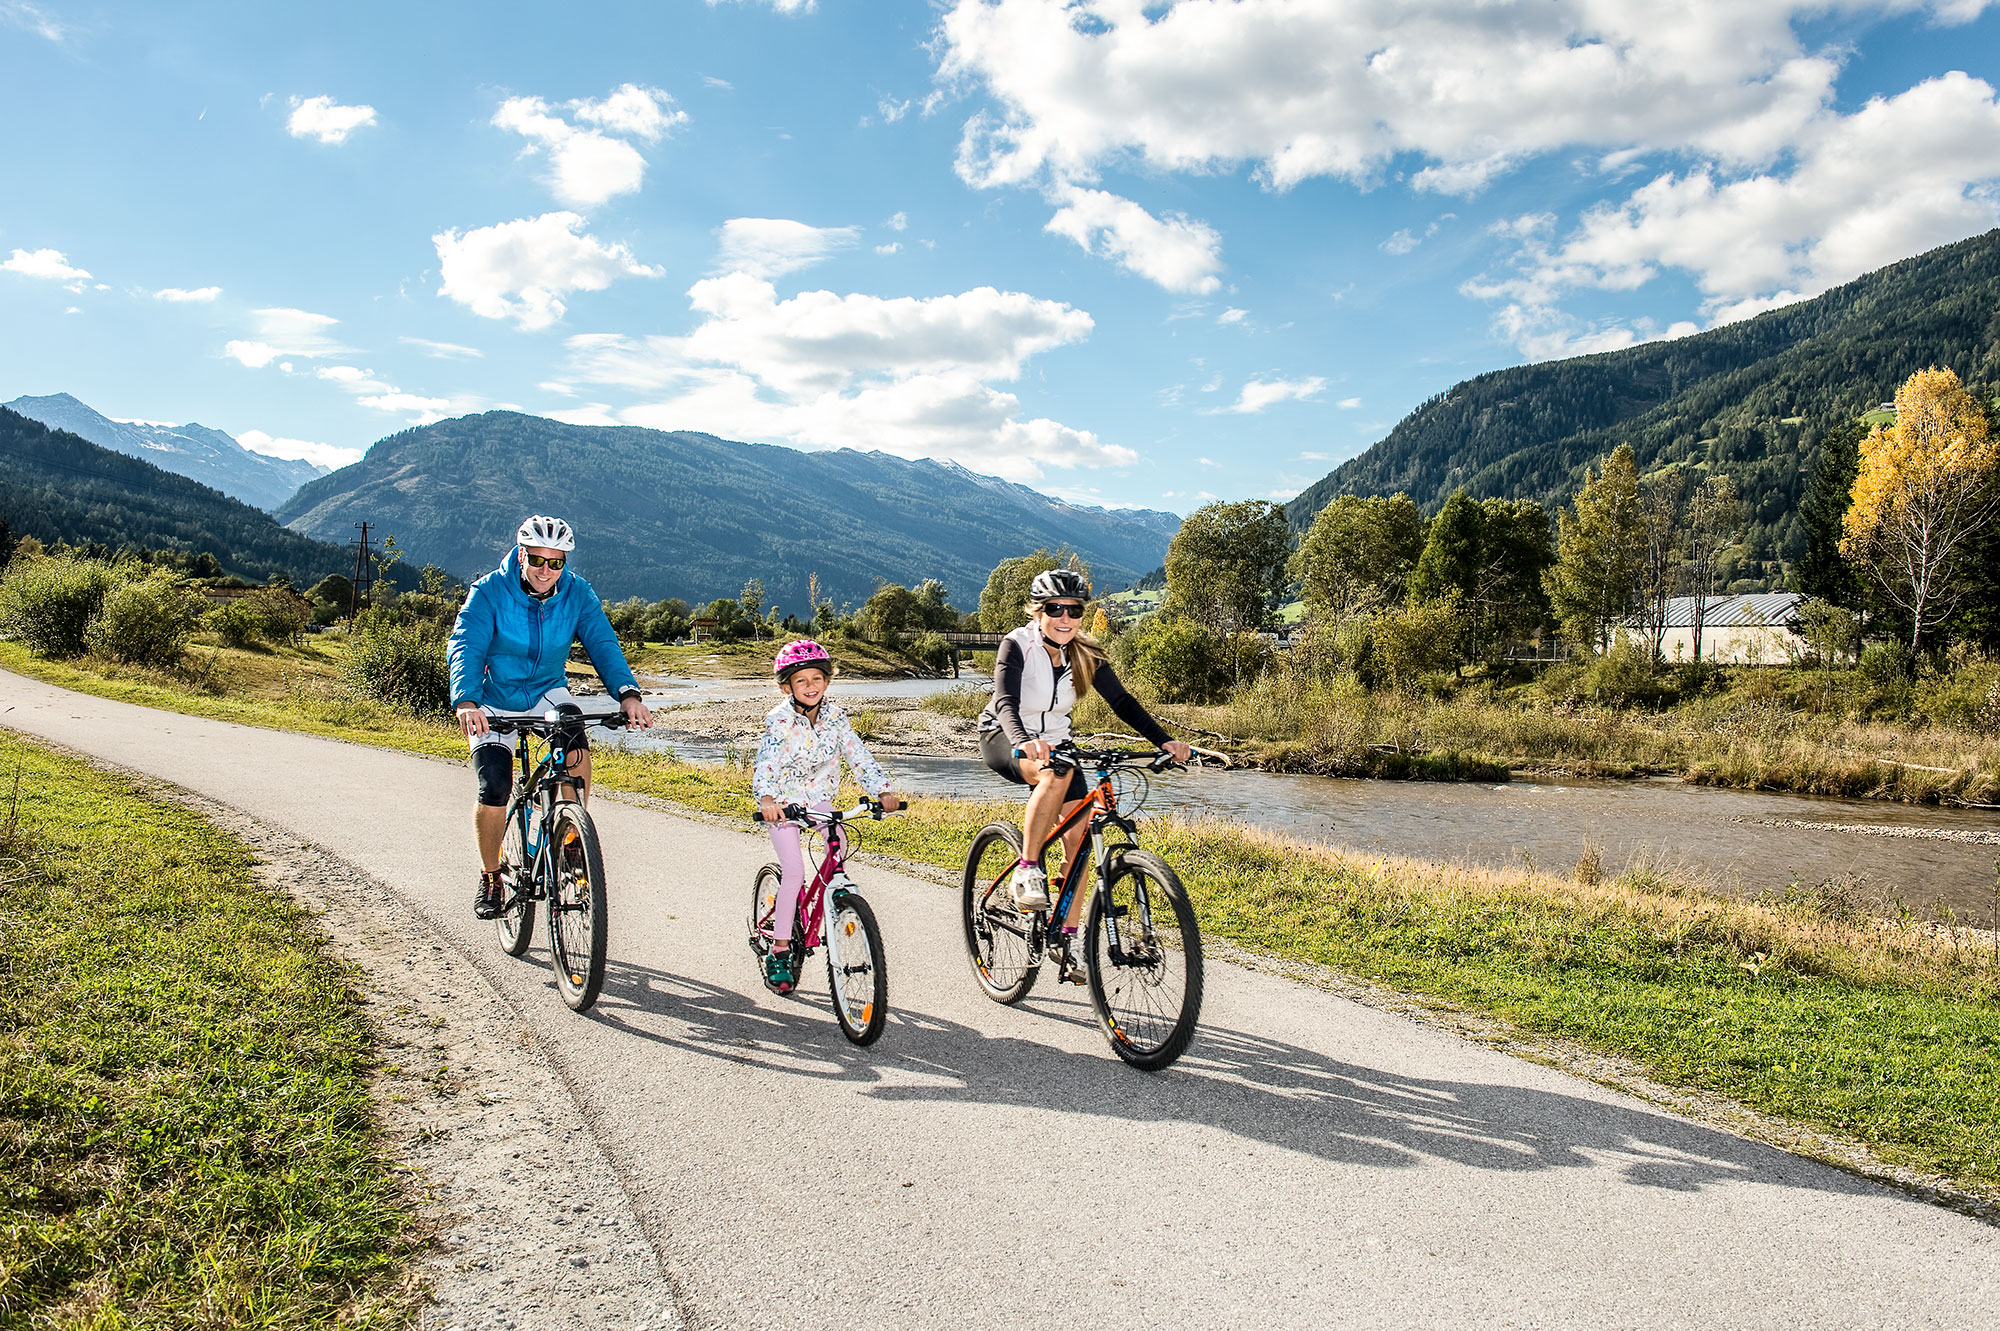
1740,842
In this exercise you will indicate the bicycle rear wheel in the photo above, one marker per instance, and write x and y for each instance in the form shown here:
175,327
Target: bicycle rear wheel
577,906
857,969
764,907
996,933
516,925
1144,957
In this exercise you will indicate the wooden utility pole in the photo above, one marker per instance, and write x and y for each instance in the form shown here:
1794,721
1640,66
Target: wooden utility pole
364,571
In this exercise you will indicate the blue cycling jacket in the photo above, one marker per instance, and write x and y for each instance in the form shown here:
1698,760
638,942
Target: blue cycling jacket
508,649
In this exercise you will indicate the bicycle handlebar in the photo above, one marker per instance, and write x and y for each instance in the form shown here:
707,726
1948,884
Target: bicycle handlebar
1067,753
798,813
541,723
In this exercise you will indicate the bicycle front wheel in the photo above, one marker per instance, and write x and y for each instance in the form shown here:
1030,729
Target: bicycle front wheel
577,906
857,969
1144,958
997,935
516,925
764,907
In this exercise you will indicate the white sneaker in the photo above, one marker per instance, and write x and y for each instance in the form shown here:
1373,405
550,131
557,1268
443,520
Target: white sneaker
1030,887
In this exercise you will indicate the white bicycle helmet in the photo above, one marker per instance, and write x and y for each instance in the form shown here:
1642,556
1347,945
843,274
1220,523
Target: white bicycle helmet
547,533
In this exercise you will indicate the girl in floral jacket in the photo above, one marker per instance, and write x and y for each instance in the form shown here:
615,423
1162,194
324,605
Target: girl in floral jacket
798,763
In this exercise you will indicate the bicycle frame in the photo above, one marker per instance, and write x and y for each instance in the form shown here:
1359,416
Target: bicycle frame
828,877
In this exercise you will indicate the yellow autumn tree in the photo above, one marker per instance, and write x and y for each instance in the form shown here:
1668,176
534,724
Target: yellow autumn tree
1926,484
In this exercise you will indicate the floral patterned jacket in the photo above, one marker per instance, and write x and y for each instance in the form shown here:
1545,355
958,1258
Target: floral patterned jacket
799,763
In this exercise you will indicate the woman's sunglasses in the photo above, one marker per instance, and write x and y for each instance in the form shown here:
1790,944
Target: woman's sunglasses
1062,610
545,561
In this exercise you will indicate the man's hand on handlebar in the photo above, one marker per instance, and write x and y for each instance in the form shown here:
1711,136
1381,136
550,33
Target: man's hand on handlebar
471,720
636,711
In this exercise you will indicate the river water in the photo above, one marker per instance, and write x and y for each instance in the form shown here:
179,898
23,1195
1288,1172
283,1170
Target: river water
1740,842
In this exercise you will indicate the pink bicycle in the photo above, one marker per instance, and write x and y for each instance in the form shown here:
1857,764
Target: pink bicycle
857,970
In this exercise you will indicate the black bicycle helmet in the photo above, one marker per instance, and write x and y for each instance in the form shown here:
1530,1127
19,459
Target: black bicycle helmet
1058,584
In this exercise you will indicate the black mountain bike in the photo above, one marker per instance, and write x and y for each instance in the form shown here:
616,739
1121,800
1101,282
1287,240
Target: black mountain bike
1141,948
550,852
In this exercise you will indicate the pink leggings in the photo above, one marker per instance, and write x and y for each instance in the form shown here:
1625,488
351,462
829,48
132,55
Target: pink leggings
792,864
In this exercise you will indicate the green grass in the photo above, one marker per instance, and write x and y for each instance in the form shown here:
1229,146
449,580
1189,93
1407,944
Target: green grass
1887,1032
186,1137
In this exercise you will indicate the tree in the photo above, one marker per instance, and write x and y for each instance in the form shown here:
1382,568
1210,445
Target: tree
1358,554
1002,603
1454,552
751,598
1597,553
894,609
1511,603
935,610
1925,488
1659,552
1824,571
1226,565
1714,518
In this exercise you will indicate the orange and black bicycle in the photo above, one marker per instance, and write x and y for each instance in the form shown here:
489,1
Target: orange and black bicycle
1139,951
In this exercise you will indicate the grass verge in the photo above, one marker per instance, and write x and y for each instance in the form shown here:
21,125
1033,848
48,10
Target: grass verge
185,1130
1886,1032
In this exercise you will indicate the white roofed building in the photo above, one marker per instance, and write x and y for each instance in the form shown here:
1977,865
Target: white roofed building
1759,628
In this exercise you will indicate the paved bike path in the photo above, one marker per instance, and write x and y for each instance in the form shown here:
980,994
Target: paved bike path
1310,1160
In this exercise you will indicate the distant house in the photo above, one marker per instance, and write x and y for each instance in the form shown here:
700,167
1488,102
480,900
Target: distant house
1760,628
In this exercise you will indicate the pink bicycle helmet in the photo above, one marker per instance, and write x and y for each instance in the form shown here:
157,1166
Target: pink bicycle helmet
797,655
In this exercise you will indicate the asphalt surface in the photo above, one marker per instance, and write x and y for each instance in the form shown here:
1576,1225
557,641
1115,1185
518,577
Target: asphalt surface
1310,1161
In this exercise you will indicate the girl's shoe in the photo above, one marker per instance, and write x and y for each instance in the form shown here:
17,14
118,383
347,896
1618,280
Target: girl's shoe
778,974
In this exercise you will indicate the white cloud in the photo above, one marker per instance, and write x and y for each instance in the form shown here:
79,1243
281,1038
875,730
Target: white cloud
520,270
1304,88
1901,175
443,350
303,450
711,81
910,376
899,222
1400,242
1348,403
1179,253
424,409
20,14
891,248
892,110
354,380
176,294
1261,393
377,395
286,332
782,6
595,413
326,120
772,246
588,166
49,264
1232,315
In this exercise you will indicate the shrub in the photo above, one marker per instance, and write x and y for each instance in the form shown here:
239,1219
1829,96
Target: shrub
234,622
1966,696
1178,660
282,614
48,603
1420,638
1887,664
400,664
1625,676
145,622
931,651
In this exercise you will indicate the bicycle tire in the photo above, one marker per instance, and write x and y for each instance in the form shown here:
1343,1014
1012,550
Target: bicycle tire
516,925
578,920
859,983
996,933
1148,996
764,907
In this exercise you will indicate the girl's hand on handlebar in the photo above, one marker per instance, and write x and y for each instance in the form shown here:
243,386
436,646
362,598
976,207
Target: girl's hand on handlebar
471,720
1181,751
890,801
769,808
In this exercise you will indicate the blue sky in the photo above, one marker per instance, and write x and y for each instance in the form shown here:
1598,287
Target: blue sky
1130,253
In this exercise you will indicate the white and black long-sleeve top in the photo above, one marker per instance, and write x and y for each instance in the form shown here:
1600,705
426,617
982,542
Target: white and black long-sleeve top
1033,696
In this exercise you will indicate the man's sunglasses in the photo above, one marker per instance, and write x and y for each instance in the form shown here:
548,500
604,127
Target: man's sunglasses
1062,610
545,561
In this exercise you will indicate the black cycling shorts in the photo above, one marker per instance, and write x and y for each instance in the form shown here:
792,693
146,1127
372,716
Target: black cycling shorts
998,751
493,764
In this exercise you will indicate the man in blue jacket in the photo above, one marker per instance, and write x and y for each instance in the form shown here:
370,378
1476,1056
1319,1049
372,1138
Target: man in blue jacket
507,652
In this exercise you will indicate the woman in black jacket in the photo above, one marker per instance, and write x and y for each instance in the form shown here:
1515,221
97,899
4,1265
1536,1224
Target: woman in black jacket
1042,668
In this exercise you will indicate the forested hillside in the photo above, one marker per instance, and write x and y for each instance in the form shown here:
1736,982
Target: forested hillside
1752,399
55,486
680,514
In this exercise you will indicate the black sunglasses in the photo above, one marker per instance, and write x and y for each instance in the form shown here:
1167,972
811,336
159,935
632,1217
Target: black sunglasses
1062,610
545,561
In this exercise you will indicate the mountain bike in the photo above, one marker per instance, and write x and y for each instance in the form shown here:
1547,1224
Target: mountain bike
550,852
857,969
1141,948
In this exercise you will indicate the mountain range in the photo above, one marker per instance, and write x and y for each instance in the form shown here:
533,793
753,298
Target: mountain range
1751,399
663,514
56,486
195,451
